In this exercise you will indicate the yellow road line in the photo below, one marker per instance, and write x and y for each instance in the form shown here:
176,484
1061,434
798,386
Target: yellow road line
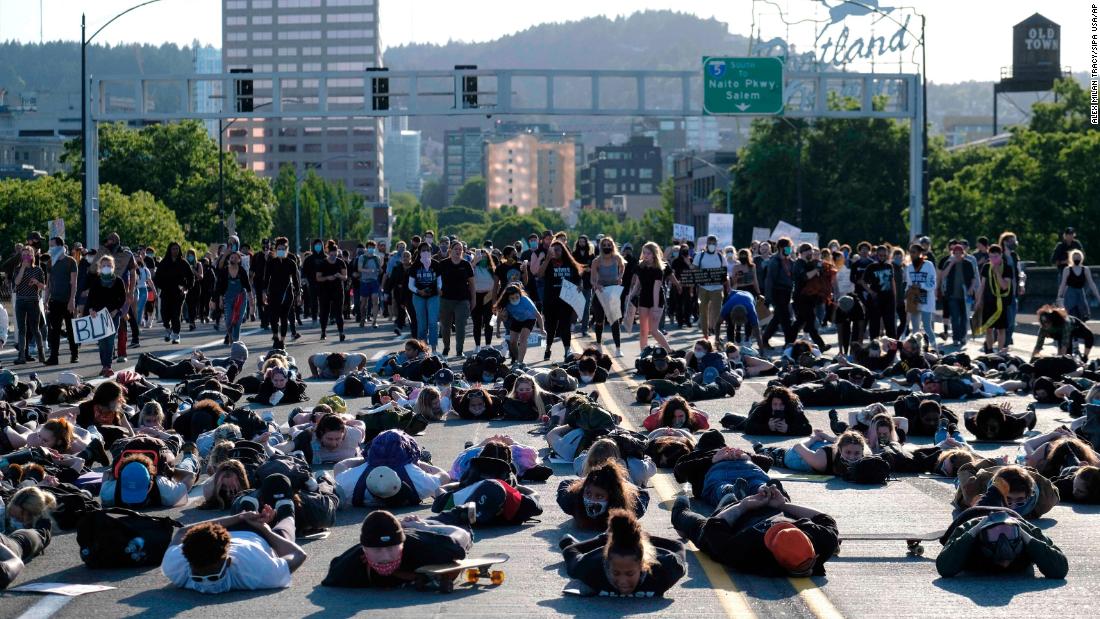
731,598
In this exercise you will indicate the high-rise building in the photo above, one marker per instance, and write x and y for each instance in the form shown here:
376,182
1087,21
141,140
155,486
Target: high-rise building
306,35
633,168
527,171
463,158
402,157
206,60
694,180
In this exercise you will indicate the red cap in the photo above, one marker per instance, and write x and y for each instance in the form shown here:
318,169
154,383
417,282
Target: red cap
791,548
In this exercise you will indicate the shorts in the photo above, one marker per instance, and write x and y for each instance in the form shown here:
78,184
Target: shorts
369,287
516,326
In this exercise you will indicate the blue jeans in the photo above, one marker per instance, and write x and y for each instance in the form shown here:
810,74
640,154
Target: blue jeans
941,435
427,318
233,321
723,474
793,461
959,318
107,344
915,321
142,299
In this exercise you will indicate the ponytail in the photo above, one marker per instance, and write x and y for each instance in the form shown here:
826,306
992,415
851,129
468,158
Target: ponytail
625,538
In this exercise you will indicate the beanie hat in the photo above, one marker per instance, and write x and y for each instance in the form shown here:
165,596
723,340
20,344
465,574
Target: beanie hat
846,303
791,547
238,352
381,529
383,482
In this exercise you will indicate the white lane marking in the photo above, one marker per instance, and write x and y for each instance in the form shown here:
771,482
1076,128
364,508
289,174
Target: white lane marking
46,607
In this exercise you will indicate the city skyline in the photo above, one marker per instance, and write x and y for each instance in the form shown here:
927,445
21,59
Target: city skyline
950,30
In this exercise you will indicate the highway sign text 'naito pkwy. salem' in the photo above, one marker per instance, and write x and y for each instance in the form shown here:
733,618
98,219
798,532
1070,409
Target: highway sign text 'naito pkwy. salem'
742,85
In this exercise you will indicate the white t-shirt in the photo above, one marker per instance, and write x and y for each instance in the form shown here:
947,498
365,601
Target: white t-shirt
172,493
704,260
424,484
925,279
254,565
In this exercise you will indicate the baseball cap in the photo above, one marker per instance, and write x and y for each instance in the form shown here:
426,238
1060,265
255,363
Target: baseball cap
134,479
383,482
792,548
381,529
1069,230
443,377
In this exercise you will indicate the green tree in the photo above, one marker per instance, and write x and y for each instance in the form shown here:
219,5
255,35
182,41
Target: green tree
550,220
410,218
28,205
471,194
453,216
433,195
139,218
1069,112
178,164
511,228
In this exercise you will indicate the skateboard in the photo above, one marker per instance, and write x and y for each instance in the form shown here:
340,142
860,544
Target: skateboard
442,576
913,541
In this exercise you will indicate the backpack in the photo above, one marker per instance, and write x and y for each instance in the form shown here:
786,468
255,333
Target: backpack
156,449
72,505
251,455
251,424
631,444
119,537
868,470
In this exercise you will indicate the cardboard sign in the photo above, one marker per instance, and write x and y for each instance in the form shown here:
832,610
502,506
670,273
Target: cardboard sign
784,229
720,225
56,228
703,276
93,328
683,232
573,296
761,234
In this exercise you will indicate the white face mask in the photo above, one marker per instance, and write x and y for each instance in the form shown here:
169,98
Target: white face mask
699,354
711,247
586,378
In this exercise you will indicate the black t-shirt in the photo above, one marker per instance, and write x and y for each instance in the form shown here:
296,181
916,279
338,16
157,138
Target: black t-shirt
878,276
327,269
859,265
509,274
1005,293
425,278
553,276
456,279
648,277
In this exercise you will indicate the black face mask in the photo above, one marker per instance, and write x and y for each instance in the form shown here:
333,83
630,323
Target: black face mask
1004,549
605,249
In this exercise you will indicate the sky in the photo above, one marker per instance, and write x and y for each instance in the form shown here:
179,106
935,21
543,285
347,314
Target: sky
957,49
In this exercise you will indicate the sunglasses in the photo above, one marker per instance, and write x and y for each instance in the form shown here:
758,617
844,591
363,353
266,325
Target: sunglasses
213,577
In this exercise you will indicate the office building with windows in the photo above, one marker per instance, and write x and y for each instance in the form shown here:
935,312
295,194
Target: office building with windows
633,168
280,36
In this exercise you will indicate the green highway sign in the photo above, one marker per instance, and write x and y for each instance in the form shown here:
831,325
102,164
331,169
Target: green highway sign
733,86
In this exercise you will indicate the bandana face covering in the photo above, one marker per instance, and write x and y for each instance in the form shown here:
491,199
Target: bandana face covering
594,508
385,569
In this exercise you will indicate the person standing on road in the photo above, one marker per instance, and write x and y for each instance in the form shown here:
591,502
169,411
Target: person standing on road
282,289
1008,243
996,291
312,261
582,253
607,270
1071,291
649,285
920,296
778,286
805,272
106,293
330,276
456,298
232,296
710,295
245,551
28,283
371,270
425,283
485,287
1060,257
174,278
61,306
557,266
958,280
880,289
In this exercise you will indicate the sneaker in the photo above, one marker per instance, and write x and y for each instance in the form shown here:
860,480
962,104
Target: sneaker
566,541
106,372
343,337
121,358
274,489
247,503
733,422
175,338
168,334
296,336
618,352
679,506
284,508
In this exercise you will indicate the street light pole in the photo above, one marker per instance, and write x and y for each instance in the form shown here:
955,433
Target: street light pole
91,219
221,182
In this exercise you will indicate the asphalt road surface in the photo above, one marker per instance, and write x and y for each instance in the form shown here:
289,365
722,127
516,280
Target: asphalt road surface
867,578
